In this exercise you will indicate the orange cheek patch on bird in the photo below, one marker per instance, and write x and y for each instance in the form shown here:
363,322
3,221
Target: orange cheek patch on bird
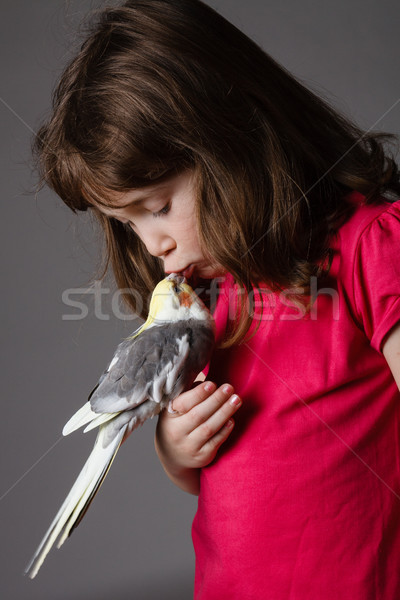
185,299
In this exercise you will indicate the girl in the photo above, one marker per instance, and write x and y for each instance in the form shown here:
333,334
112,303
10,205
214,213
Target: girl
199,154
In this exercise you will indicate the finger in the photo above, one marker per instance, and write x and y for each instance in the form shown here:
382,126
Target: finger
212,445
208,418
203,410
186,401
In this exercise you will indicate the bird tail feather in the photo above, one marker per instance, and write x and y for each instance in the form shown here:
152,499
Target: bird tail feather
79,498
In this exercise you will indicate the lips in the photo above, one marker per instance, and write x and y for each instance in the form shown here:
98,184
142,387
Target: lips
187,272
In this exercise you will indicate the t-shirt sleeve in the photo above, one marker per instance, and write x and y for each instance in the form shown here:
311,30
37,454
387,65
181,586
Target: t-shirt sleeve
376,274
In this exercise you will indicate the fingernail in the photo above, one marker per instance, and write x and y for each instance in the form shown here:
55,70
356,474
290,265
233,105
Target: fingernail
227,389
235,400
209,386
229,424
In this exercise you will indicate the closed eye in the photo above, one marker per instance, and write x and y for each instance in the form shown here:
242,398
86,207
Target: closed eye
164,210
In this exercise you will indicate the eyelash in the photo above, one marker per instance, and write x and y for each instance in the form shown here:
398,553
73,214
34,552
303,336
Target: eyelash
165,210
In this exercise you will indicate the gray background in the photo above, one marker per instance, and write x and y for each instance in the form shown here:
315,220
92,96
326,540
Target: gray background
135,541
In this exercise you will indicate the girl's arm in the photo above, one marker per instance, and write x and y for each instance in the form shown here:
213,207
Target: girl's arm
391,352
190,438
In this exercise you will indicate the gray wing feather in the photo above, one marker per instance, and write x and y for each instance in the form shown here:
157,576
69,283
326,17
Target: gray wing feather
155,366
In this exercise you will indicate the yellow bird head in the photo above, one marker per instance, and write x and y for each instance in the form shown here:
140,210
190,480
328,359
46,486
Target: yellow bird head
174,300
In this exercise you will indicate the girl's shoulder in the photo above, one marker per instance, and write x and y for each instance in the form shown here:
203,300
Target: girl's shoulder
367,267
369,220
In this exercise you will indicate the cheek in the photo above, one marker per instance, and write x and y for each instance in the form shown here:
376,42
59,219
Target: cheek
185,227
191,235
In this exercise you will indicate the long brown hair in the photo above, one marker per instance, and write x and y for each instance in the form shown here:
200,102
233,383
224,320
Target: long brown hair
164,85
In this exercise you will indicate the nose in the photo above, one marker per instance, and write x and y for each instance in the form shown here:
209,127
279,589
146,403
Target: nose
158,243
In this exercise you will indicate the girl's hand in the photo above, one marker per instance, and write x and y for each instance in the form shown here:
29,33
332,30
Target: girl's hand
190,438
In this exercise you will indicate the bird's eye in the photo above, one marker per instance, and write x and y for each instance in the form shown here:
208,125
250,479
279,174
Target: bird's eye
176,289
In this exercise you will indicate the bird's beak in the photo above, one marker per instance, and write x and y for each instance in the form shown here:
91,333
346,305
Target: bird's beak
185,298
177,279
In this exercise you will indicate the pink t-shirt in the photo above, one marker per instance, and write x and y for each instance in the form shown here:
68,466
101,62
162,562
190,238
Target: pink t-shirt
303,500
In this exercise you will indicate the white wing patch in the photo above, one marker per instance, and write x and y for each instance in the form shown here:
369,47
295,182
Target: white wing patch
84,416
164,382
113,362
100,420
183,351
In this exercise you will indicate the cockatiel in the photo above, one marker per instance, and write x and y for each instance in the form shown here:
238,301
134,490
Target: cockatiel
148,370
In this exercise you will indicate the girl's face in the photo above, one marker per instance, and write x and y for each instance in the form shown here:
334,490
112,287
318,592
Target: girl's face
163,216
